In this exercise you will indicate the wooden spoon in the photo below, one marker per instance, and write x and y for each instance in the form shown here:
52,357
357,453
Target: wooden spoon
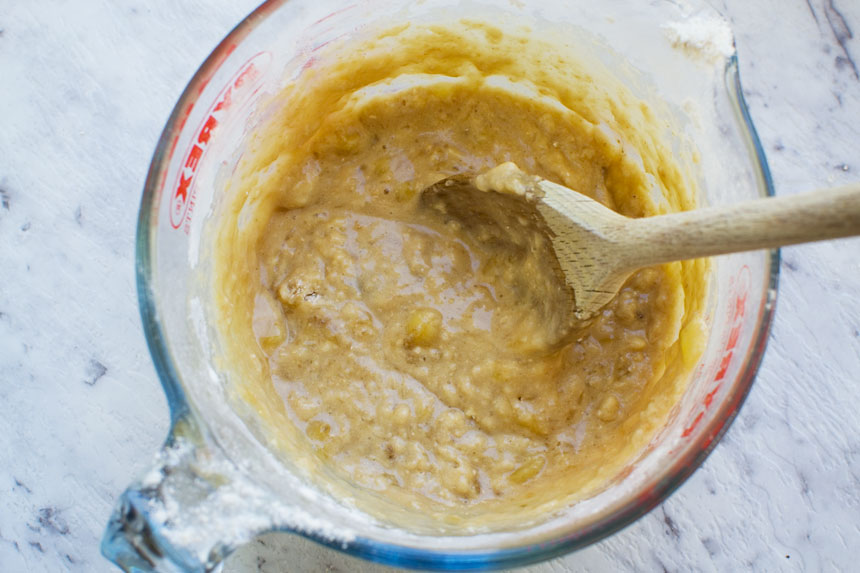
598,249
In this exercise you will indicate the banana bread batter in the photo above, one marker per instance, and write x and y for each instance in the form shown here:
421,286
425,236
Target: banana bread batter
389,351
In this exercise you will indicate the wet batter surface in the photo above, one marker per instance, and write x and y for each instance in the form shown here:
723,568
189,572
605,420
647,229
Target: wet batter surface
401,352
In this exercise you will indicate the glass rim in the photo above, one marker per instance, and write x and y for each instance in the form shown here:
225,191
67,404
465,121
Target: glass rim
661,486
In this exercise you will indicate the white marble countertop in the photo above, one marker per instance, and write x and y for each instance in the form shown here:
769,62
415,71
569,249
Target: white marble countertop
85,88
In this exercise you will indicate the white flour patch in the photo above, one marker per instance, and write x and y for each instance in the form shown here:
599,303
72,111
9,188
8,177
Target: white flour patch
709,37
201,503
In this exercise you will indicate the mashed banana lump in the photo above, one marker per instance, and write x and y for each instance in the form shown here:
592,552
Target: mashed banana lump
389,350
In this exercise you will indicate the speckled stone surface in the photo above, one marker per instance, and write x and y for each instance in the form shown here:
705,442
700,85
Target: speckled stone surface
85,88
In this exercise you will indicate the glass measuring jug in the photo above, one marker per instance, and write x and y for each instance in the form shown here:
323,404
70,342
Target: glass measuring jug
216,484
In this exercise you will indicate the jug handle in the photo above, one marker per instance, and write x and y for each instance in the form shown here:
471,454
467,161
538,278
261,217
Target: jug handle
189,512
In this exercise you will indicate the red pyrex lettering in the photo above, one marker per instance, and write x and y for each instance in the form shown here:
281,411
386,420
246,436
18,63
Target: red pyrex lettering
239,89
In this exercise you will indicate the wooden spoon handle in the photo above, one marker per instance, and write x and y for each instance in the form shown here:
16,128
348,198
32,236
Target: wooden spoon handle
758,224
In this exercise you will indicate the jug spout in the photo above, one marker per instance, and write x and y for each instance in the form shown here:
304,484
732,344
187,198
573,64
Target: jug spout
189,511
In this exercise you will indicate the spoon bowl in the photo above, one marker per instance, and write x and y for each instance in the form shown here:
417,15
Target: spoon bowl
595,249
